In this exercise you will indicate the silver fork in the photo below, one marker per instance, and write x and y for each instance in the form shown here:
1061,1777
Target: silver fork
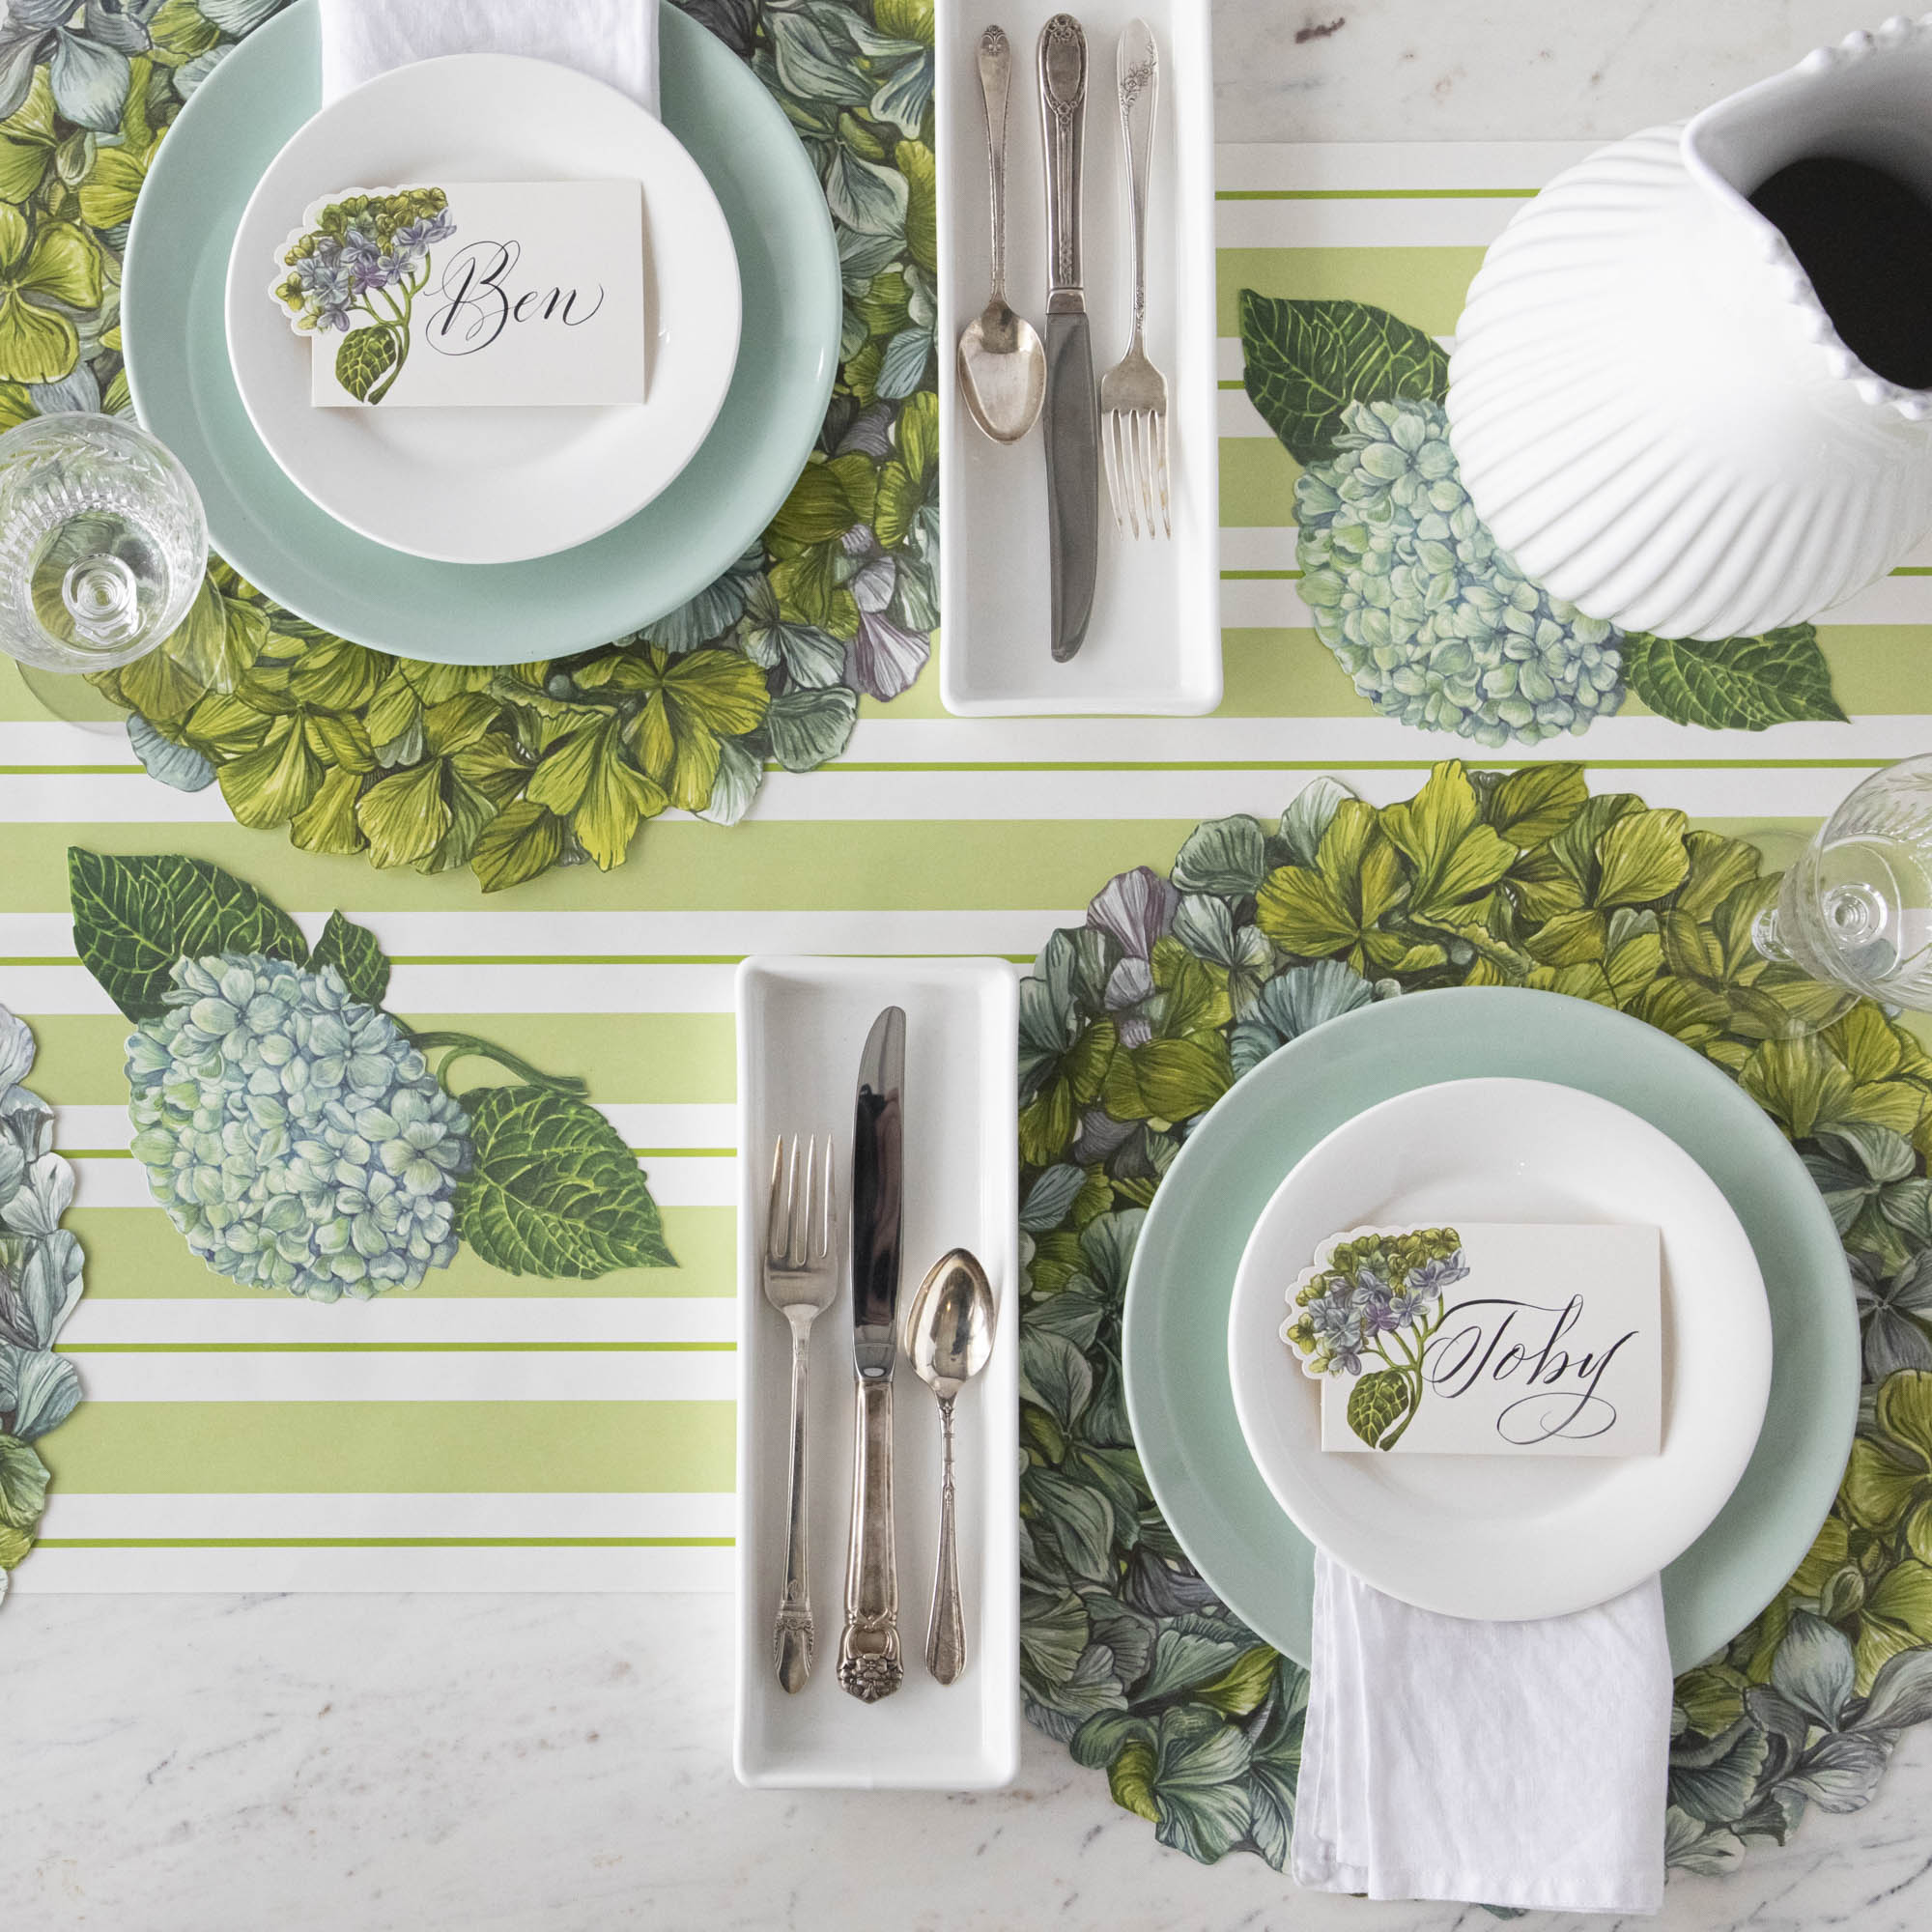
1133,392
801,1278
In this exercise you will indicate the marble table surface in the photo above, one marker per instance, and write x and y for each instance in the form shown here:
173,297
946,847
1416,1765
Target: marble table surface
562,1762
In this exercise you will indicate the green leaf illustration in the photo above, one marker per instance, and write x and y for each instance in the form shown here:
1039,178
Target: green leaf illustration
521,842
1303,363
133,918
360,361
554,1190
1734,684
353,952
1376,1402
23,1484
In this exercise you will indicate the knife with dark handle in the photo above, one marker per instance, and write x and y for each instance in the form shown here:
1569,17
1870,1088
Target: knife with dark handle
1072,414
869,1664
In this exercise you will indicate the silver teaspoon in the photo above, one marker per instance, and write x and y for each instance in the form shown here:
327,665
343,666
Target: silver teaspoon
1002,363
948,1334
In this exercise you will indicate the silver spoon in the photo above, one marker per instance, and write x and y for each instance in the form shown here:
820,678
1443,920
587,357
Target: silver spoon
948,1334
1001,364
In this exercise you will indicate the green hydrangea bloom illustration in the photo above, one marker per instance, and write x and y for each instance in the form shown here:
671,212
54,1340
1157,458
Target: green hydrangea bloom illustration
1420,606
294,1136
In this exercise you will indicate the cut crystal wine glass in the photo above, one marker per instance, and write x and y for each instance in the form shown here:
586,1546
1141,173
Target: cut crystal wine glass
1854,909
103,542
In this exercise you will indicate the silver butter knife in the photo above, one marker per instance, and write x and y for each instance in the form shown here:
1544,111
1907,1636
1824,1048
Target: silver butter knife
1073,415
869,1664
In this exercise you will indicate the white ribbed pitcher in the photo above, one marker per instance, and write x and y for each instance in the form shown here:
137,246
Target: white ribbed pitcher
1651,407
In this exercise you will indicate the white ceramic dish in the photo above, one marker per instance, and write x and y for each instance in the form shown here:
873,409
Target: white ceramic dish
800,1025
1155,643
491,486
1478,1536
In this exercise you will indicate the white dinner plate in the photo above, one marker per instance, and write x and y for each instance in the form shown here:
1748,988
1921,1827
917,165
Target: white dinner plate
1484,1536
491,485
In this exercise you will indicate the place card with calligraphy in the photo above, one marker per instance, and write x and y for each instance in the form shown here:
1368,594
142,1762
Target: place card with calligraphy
1485,1339
478,294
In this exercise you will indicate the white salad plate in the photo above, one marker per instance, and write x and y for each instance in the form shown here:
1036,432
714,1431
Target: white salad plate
1491,1536
490,485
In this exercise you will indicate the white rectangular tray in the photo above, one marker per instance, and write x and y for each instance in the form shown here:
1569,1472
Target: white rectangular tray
802,1023
1155,644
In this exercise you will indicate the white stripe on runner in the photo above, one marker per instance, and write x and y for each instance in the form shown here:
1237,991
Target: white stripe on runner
675,1182
648,1512
837,793
559,1315
1265,547
44,740
1397,223
539,1376
553,934
1235,415
1247,165
590,988
1359,737
329,1570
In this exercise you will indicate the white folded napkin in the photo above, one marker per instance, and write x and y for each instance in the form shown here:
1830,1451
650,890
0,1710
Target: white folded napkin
614,39
1518,1764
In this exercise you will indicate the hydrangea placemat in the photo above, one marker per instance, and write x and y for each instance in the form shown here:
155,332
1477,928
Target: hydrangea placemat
1182,979
508,772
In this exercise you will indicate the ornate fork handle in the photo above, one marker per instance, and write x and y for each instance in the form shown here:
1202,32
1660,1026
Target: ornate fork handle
792,1635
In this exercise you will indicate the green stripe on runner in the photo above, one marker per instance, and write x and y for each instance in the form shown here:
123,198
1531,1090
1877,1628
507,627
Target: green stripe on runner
133,1254
1257,483
1285,674
396,1348
1880,669
1424,286
764,865
386,1542
664,1059
390,1448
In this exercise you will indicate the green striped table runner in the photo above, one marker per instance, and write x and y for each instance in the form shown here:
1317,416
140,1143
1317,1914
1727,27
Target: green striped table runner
492,1432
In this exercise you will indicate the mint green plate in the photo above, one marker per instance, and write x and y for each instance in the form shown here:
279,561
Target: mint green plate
177,349
1175,1340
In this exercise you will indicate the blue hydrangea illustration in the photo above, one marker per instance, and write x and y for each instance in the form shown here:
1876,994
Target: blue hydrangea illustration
1422,606
294,1136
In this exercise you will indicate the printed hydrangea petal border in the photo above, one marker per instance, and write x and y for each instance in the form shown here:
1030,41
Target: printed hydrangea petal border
40,1281
1134,1024
510,772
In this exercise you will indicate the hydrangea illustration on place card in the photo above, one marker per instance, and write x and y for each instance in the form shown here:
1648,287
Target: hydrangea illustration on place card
1132,1025
368,254
41,1266
299,1135
1407,588
512,771
1370,1294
